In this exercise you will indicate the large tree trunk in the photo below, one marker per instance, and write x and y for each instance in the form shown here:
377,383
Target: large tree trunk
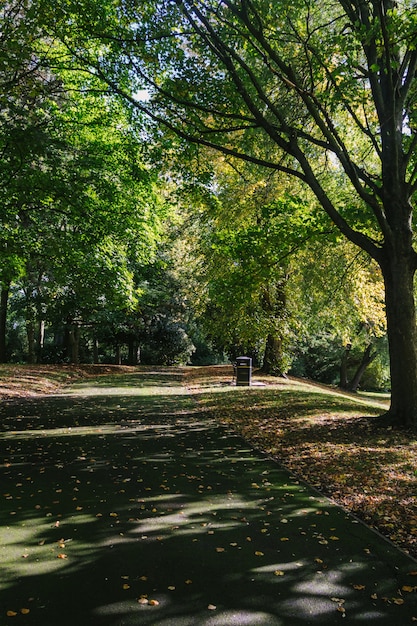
4,299
272,361
402,338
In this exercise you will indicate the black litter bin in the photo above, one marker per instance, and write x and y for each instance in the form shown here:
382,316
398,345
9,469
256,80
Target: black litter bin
243,371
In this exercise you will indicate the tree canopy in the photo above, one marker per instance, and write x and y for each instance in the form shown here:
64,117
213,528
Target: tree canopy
323,93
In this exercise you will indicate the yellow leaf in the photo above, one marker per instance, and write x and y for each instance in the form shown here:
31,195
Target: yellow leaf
126,586
279,572
153,602
212,607
62,556
408,588
359,587
398,601
24,611
259,553
11,613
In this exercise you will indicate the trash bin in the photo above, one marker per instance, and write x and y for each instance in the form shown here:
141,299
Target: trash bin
243,371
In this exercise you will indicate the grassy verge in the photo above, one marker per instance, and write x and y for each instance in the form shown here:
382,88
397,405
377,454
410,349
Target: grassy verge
17,381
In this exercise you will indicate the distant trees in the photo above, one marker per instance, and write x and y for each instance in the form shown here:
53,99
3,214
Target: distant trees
80,214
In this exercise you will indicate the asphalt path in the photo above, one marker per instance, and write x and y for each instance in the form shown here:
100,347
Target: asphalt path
127,504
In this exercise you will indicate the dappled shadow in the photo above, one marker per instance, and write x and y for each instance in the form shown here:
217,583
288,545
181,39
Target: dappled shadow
139,509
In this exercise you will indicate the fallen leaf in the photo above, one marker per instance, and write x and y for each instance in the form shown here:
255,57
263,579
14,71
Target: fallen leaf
212,607
153,602
62,556
11,613
24,611
279,572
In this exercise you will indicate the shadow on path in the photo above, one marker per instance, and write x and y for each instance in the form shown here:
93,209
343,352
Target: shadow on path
125,504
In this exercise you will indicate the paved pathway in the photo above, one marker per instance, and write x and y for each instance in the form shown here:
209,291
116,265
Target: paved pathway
128,506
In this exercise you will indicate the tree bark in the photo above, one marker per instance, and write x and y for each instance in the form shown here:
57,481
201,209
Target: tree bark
367,358
30,332
41,340
4,299
272,362
95,351
402,338
343,368
74,343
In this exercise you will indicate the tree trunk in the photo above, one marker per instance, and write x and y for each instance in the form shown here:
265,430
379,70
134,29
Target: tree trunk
133,348
95,351
74,343
41,340
343,368
118,355
272,362
367,358
4,299
30,332
398,275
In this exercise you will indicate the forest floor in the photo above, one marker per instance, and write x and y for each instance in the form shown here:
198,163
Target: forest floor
329,439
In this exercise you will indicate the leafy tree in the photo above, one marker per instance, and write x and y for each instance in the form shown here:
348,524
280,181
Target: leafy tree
79,208
342,323
321,93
